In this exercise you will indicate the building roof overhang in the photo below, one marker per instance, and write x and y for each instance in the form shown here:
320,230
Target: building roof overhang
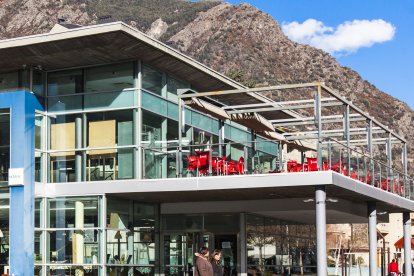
283,195
102,44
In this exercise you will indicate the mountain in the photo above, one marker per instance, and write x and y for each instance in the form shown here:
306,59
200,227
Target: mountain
240,41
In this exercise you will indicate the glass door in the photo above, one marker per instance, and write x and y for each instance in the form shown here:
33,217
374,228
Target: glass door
174,254
179,250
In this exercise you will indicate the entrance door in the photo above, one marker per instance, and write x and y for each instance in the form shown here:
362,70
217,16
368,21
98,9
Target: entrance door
228,246
178,252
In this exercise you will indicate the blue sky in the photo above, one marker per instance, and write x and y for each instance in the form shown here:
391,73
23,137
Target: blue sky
373,37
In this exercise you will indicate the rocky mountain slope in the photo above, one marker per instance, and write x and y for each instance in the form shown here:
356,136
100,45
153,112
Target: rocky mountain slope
225,37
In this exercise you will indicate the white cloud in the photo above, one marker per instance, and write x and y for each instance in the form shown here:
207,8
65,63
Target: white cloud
346,38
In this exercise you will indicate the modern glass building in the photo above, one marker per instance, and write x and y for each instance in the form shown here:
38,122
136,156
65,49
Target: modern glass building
141,155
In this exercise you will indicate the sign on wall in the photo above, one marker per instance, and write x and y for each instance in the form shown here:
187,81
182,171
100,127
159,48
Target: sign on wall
16,177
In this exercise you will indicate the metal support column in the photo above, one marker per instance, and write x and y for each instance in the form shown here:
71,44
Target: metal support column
389,162
221,148
320,206
318,123
243,249
407,190
372,233
371,151
347,137
78,145
180,136
407,243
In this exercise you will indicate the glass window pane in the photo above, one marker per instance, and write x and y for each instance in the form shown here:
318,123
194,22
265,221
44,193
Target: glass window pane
9,81
108,129
65,82
114,77
109,164
154,103
4,144
38,83
65,103
172,87
108,100
152,80
63,210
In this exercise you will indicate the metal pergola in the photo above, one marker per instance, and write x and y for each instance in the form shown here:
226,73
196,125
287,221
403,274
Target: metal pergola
297,112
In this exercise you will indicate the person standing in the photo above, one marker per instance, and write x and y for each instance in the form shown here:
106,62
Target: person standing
203,266
393,268
216,263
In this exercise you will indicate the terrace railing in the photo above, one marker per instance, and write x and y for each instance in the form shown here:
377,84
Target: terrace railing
242,158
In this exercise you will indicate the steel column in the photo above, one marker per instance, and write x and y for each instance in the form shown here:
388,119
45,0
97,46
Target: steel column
371,151
78,145
407,243
320,206
243,249
347,136
372,233
221,137
318,122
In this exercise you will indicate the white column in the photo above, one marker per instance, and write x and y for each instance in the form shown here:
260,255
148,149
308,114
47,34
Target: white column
79,237
372,233
407,243
320,202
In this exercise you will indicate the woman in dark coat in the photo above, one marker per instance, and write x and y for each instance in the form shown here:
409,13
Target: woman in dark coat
203,266
216,263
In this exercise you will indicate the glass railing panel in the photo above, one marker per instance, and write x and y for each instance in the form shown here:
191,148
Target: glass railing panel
64,103
116,99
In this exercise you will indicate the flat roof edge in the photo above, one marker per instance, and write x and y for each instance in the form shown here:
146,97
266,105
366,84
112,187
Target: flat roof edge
113,27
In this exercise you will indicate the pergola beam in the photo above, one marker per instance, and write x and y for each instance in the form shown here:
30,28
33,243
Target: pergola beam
323,122
279,108
357,109
275,104
250,90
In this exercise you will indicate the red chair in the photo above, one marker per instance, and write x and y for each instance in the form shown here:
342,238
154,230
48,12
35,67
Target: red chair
292,166
354,175
240,165
312,164
192,162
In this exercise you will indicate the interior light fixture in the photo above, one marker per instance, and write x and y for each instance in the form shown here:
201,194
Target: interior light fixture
382,213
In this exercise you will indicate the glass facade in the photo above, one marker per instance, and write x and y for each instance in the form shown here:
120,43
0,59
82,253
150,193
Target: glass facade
97,122
277,247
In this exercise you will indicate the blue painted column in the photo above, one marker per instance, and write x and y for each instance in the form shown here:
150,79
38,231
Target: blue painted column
21,225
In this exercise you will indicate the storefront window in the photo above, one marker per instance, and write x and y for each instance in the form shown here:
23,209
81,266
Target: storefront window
277,247
75,238
131,238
